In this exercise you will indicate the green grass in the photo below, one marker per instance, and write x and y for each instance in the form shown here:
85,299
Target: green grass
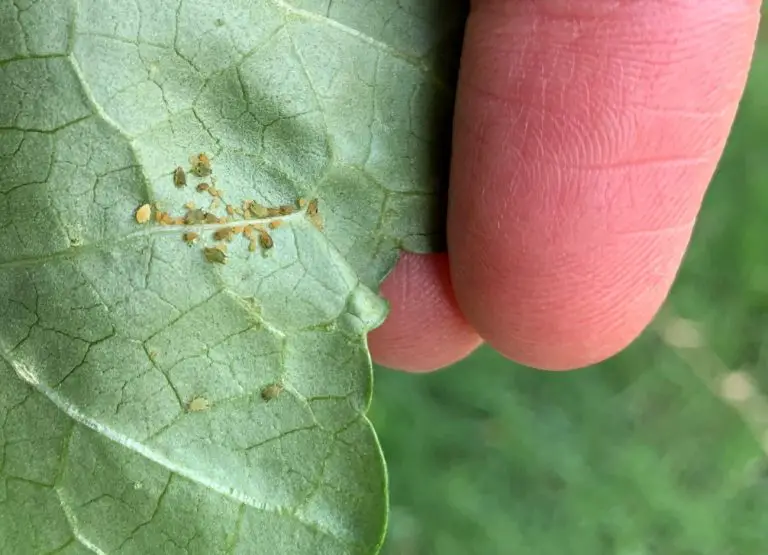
634,456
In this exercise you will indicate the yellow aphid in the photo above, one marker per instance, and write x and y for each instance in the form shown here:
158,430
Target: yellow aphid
201,165
252,244
230,209
248,231
190,205
202,187
302,202
275,224
237,230
214,192
198,404
158,216
211,218
312,207
179,177
286,209
215,203
271,391
166,219
178,220
143,213
190,237
238,211
272,212
265,240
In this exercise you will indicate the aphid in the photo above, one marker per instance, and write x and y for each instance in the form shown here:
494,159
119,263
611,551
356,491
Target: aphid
230,209
143,213
202,187
286,209
248,231
153,355
198,404
201,165
190,237
215,203
217,254
195,216
166,219
265,240
252,245
211,218
314,215
178,220
272,212
223,234
237,230
271,391
190,205
158,216
302,202
238,211
179,177
258,210
275,224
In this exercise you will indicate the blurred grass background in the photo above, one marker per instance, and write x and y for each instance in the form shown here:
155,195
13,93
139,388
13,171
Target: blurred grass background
661,450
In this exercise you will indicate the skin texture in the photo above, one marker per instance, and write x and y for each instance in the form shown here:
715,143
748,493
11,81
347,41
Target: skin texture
585,135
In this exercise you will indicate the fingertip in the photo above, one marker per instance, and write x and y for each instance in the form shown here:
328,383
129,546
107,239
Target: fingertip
425,330
583,146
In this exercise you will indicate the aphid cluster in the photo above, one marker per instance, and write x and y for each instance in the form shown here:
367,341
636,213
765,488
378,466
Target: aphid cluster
244,218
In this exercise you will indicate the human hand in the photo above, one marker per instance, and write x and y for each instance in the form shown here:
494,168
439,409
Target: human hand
585,135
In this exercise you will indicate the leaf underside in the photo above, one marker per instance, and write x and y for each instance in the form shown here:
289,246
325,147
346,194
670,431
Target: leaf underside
132,369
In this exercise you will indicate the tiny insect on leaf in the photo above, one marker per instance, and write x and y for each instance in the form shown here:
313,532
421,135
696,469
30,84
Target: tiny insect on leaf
265,240
179,177
223,234
201,165
202,187
215,255
275,224
190,237
258,210
143,213
271,391
198,404
195,216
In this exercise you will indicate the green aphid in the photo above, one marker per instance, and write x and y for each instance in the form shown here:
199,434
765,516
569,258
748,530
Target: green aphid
271,391
179,177
216,255
195,216
198,404
201,165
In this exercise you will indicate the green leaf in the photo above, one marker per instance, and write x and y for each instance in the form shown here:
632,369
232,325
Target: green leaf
152,401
